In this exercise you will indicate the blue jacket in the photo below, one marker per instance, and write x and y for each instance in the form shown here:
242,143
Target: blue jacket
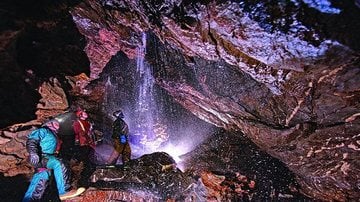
41,141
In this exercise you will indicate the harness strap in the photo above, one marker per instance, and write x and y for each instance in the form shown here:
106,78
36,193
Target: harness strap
82,126
42,169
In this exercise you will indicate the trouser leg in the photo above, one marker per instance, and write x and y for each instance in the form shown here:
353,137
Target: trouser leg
62,174
37,186
88,167
113,157
126,154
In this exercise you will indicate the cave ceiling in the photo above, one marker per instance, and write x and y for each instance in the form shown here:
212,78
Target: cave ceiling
286,74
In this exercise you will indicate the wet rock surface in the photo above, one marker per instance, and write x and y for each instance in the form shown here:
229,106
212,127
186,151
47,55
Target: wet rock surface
225,167
155,177
233,157
155,173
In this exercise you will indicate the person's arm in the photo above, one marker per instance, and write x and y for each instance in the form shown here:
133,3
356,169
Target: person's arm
77,130
125,130
114,130
33,146
90,135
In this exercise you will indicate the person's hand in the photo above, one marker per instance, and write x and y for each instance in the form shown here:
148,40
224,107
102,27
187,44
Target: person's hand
77,142
34,159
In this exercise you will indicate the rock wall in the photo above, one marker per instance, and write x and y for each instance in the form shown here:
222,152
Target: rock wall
288,83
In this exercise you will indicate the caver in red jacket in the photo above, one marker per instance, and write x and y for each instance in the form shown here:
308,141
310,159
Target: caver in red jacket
86,146
82,130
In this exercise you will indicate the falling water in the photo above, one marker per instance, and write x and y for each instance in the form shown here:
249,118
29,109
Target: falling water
136,93
146,111
146,105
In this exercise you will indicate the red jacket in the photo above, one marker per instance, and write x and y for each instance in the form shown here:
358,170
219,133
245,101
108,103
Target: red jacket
83,133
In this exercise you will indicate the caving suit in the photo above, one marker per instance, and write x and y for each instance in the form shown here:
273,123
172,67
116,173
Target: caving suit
86,145
44,143
121,140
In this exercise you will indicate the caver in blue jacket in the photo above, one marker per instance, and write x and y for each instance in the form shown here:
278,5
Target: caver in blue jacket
42,145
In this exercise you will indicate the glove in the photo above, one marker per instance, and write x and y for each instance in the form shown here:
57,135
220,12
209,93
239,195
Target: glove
34,159
123,139
77,142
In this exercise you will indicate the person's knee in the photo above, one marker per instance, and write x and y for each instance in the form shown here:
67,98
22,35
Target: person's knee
58,165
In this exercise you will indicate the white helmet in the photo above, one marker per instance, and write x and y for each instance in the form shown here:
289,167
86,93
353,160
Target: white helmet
118,114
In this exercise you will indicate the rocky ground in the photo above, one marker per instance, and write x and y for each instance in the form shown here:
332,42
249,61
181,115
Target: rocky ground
226,167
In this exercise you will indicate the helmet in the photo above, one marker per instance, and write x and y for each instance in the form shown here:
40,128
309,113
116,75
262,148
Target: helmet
53,125
78,113
118,114
83,115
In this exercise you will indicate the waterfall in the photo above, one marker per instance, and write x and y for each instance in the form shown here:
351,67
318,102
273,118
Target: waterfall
146,105
133,90
146,110
130,86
